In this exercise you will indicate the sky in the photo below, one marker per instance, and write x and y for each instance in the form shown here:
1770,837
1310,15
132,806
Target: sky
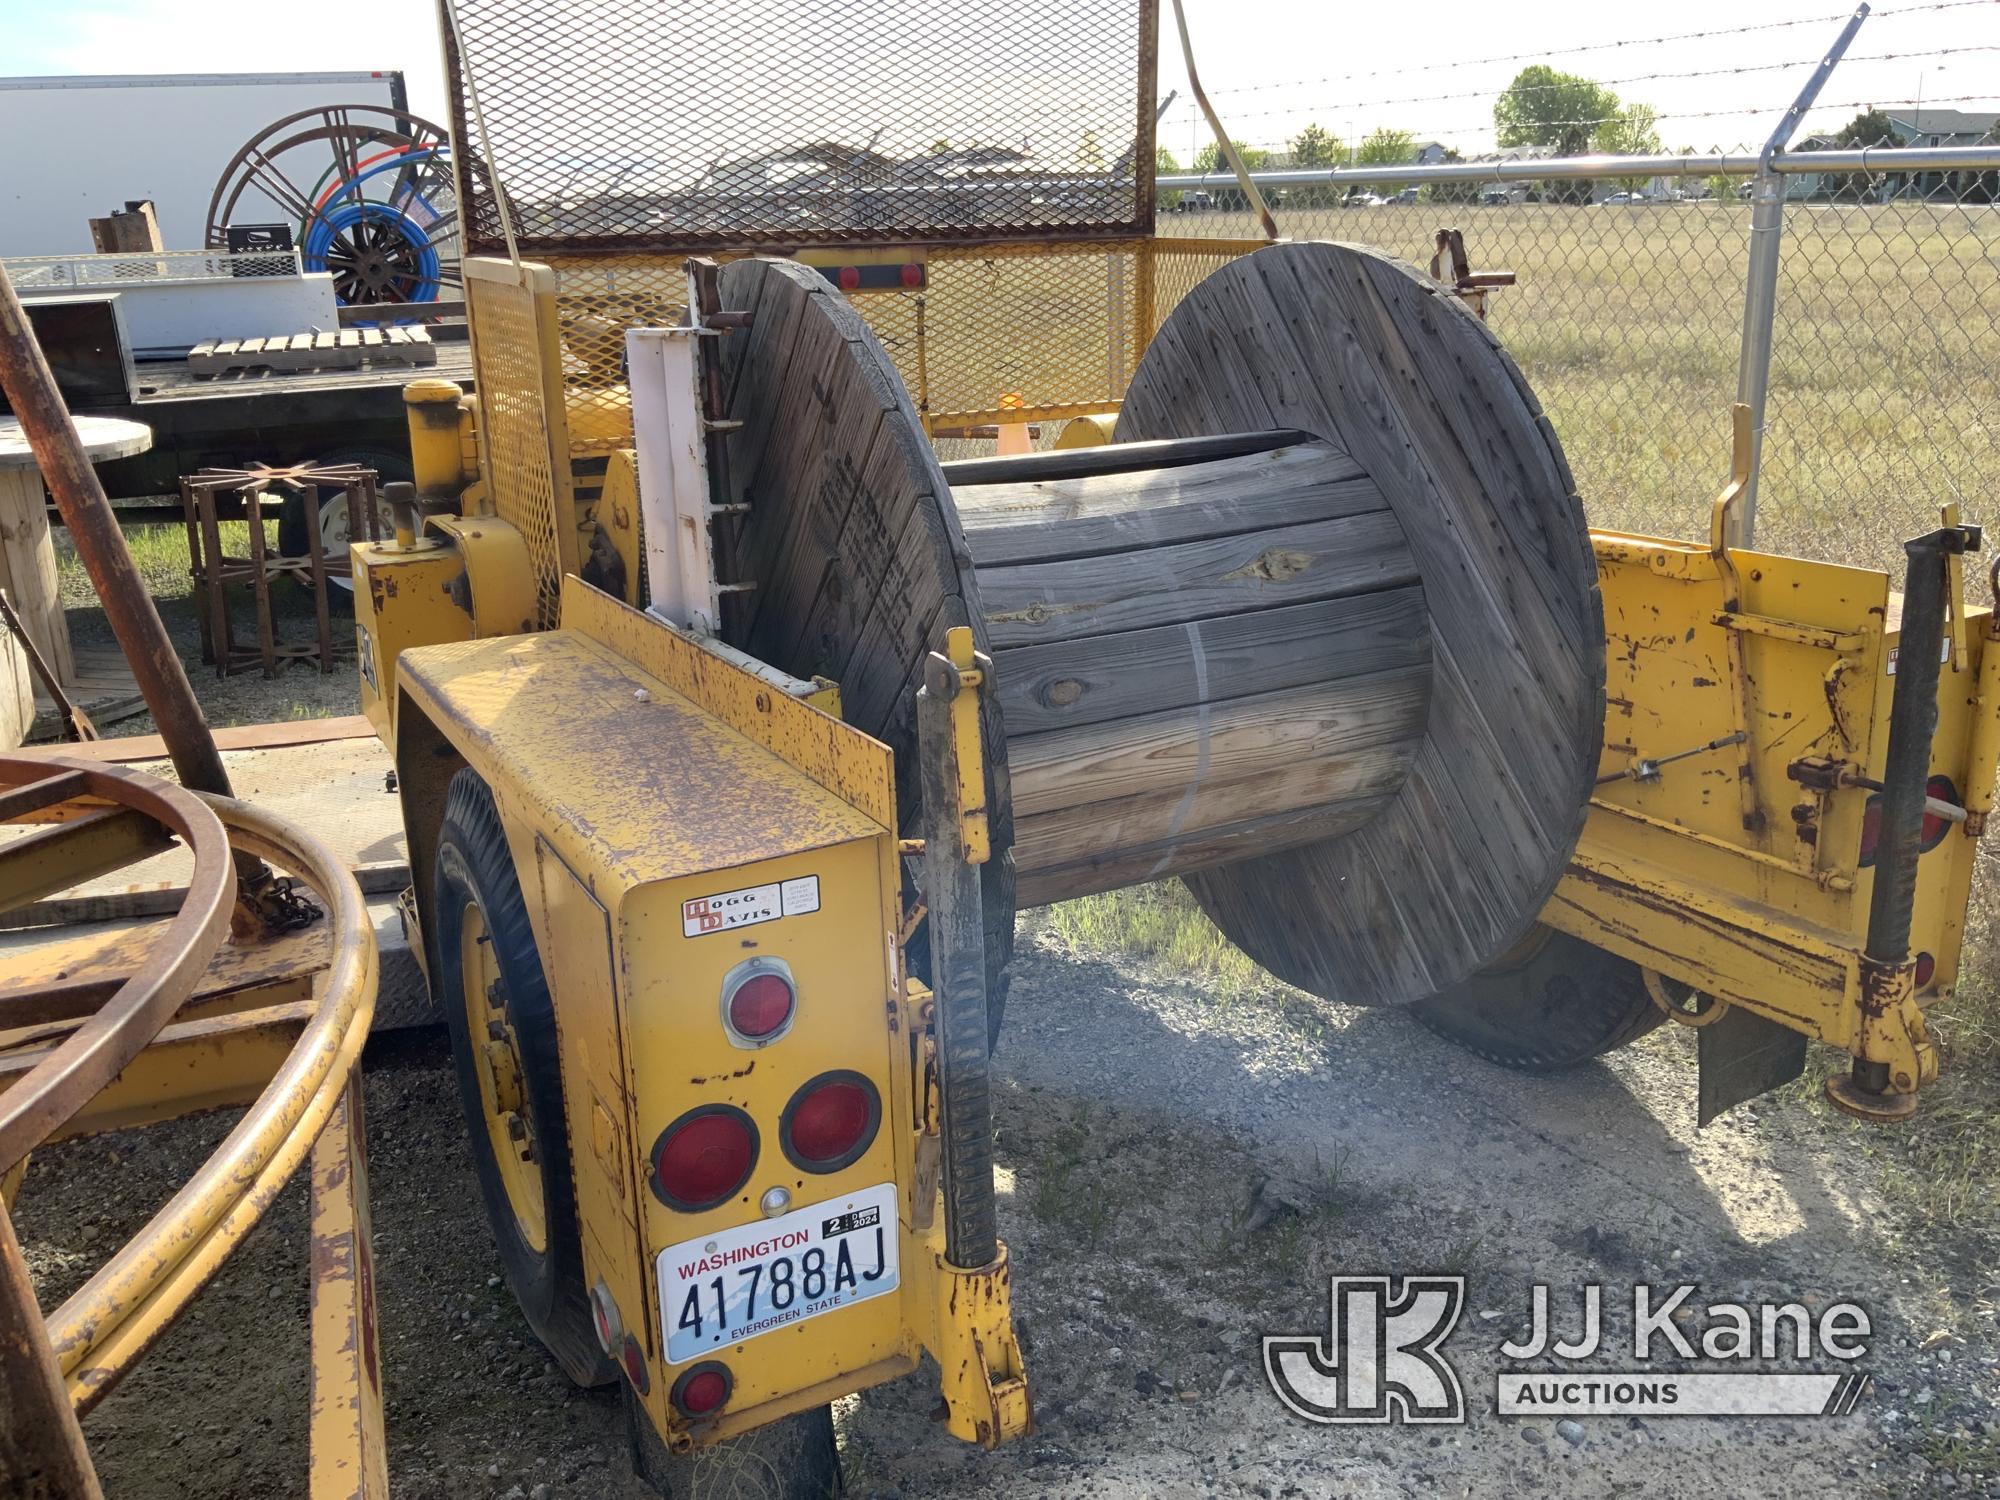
1270,66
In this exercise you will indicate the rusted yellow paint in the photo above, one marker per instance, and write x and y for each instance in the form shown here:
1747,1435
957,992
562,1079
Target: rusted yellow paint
637,772
350,1455
1770,917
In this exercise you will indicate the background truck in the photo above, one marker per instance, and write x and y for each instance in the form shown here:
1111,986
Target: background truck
163,136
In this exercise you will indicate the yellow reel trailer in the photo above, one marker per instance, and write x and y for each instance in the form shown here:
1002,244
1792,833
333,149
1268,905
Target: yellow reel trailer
731,726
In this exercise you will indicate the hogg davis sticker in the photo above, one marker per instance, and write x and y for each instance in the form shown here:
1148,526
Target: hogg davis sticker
724,1288
749,906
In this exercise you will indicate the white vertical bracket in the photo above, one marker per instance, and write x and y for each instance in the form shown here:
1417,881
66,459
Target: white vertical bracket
664,371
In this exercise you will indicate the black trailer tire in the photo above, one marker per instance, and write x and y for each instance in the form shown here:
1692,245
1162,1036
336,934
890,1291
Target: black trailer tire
541,1254
1552,1003
794,1458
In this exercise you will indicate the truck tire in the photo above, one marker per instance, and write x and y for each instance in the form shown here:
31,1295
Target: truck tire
495,995
1552,1002
794,1458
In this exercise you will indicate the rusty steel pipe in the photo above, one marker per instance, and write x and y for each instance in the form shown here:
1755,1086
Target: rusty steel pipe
79,495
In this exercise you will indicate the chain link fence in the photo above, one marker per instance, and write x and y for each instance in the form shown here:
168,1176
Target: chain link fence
1627,316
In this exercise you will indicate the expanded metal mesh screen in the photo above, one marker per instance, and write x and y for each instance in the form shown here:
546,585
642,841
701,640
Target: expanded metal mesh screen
616,125
521,424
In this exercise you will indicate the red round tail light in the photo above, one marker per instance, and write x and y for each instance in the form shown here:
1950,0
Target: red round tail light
703,1388
849,278
758,999
704,1157
1871,831
633,1360
1938,789
604,1319
1926,967
830,1122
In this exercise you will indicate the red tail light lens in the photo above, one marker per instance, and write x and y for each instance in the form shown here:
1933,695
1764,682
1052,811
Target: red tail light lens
633,1361
704,1157
703,1388
758,999
849,278
604,1318
1938,788
830,1122
1926,970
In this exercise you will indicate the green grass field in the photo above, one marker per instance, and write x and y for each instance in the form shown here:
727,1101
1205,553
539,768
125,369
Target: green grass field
1627,321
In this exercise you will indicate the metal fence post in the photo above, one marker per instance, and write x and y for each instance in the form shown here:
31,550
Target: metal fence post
1760,291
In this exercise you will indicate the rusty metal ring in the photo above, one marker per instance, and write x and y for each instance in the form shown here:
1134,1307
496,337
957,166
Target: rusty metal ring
98,1050
1707,1015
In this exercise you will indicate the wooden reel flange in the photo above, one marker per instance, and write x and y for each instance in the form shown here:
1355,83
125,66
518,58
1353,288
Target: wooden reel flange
1320,632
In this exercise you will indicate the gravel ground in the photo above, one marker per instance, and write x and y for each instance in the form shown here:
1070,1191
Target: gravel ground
1178,1177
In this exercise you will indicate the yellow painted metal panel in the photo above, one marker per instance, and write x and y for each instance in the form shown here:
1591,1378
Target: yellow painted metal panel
401,599
597,1098
634,779
845,761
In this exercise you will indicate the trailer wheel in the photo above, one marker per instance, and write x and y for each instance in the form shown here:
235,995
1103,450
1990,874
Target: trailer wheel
495,996
1549,1003
334,533
793,1458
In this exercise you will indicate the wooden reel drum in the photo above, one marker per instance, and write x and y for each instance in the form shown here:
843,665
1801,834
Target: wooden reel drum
1320,632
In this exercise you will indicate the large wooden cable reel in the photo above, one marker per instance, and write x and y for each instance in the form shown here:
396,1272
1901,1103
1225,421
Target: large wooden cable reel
1327,642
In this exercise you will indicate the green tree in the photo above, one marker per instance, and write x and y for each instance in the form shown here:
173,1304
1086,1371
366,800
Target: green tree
1632,131
1542,107
1316,147
1210,158
1870,128
1387,147
1163,163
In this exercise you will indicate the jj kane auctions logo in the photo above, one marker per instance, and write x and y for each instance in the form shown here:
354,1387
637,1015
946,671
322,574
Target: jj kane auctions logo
1382,1357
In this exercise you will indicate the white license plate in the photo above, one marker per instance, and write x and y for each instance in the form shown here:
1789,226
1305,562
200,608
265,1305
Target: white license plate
724,1288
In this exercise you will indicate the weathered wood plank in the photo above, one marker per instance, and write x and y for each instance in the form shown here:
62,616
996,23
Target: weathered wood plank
1173,815
1126,757
1120,867
1040,522
1253,570
1073,683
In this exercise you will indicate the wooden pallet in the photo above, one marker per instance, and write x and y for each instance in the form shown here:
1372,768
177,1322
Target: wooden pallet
346,349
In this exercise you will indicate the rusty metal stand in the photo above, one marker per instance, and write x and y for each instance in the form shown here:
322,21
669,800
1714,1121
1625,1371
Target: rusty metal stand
216,570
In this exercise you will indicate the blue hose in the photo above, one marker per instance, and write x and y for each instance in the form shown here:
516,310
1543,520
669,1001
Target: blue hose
350,210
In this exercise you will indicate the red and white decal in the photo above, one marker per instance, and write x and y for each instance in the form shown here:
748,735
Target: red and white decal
749,906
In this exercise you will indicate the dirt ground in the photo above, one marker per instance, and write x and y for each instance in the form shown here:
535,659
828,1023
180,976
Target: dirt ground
1178,1177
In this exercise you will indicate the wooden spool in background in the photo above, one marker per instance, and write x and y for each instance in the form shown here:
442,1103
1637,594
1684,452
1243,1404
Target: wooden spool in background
1324,638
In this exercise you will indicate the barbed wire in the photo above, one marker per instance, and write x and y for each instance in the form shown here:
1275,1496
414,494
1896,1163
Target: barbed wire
1543,54
1556,88
1704,114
